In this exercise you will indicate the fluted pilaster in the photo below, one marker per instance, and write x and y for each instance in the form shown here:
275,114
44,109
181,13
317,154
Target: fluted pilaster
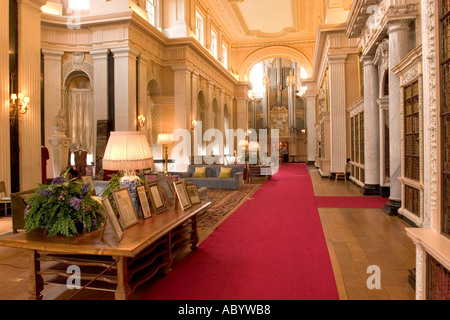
29,76
182,76
125,88
310,126
5,165
337,113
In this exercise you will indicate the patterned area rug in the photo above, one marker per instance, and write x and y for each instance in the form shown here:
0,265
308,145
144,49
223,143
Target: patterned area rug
224,203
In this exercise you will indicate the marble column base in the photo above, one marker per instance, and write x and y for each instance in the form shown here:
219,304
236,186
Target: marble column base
391,207
371,190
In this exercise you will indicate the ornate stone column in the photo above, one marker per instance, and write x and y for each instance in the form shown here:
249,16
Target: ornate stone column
337,112
398,48
371,128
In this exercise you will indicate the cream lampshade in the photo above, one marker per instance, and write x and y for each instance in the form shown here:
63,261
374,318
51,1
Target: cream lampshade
165,139
128,151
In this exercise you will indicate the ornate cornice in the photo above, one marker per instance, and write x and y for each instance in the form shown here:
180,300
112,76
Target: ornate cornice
369,20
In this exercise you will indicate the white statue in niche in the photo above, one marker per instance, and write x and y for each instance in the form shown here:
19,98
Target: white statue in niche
61,123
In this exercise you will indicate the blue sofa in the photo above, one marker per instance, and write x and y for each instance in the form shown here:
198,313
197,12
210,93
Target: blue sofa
212,180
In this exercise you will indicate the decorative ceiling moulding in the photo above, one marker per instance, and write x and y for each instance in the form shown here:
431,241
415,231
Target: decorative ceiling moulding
275,43
260,34
305,20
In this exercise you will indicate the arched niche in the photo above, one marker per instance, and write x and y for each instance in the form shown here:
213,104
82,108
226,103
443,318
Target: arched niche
202,110
78,103
216,114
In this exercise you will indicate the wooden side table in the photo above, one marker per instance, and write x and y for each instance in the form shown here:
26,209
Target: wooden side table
145,249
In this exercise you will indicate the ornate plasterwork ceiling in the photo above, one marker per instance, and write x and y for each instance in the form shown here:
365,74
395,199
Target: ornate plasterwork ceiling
260,21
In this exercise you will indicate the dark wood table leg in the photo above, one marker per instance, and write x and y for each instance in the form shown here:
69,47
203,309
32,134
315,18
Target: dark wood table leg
169,257
123,291
194,234
35,282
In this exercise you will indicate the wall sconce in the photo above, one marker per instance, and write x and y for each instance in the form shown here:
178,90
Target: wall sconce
193,124
141,121
303,133
18,105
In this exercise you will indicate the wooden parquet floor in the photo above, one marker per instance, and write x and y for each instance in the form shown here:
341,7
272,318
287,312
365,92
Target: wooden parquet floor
356,239
359,238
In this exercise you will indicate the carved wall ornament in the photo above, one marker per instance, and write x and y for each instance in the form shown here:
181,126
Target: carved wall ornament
430,52
77,60
410,75
71,66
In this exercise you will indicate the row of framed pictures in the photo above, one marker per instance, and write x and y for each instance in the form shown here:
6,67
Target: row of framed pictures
152,197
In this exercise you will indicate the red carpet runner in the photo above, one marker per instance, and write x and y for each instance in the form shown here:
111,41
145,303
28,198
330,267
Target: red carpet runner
271,248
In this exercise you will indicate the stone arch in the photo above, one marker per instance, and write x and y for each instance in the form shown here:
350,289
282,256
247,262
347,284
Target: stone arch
71,67
270,53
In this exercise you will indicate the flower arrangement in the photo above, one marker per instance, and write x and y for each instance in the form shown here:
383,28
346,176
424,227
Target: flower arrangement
65,207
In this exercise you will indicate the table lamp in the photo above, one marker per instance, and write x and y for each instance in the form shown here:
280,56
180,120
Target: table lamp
165,139
128,151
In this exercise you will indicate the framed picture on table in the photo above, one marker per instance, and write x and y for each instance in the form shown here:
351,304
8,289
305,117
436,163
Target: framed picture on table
167,189
112,218
125,207
182,195
192,191
143,199
156,199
